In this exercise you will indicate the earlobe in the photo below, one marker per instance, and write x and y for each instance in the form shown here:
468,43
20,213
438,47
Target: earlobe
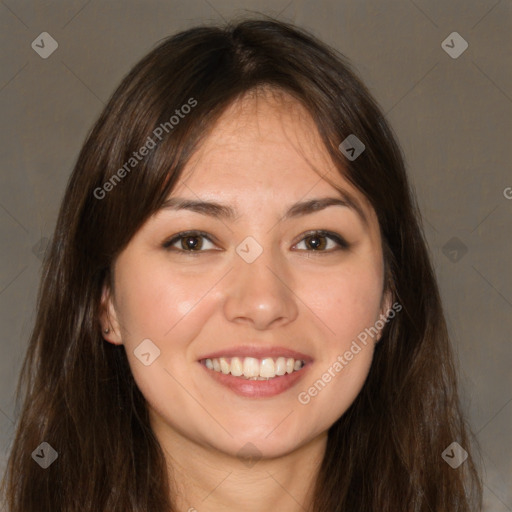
108,318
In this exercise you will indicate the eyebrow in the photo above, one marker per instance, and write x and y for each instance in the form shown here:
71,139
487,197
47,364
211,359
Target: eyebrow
299,209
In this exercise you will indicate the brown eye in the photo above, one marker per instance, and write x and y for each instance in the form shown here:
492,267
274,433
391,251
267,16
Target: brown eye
193,243
323,241
315,242
189,241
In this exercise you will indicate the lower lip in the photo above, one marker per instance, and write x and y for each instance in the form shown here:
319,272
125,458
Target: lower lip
258,388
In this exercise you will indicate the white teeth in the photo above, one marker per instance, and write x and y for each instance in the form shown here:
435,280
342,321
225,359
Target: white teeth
267,368
251,367
224,365
280,366
254,369
236,367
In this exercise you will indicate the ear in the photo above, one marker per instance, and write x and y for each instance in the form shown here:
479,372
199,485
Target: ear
385,306
386,302
108,317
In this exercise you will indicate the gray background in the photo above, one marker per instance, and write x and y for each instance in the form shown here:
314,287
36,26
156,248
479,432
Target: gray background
452,118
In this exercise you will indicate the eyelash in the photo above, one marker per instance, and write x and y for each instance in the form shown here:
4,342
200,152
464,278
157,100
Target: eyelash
342,244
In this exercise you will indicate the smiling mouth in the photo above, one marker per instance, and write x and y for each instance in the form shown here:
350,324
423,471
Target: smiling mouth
251,368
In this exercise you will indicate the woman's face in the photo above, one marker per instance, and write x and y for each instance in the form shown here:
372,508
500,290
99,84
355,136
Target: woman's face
259,286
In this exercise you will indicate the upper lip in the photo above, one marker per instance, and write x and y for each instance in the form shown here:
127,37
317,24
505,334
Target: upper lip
258,352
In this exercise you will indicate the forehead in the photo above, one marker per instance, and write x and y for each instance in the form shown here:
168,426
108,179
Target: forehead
261,130
265,142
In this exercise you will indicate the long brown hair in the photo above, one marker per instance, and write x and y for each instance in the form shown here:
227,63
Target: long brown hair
384,453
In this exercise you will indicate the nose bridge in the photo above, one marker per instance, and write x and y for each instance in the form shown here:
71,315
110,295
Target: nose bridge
258,293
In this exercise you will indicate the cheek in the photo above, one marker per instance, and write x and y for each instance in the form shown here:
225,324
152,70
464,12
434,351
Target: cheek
169,308
142,300
348,301
333,388
154,302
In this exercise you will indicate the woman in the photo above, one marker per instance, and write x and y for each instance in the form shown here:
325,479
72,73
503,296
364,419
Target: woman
238,311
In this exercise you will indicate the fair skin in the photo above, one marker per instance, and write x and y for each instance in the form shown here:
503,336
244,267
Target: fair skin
259,160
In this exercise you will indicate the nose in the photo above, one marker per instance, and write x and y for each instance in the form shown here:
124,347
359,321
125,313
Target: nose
260,293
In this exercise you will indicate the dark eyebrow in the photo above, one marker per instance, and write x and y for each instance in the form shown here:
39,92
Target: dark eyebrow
314,205
296,210
205,207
